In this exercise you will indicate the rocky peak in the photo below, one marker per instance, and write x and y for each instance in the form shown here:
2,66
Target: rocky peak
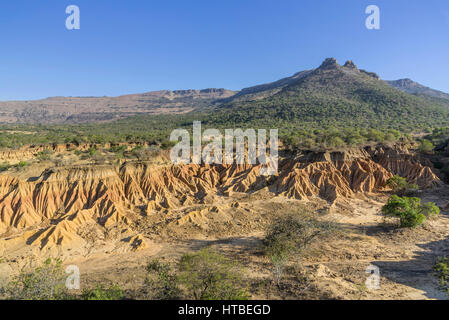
329,63
350,65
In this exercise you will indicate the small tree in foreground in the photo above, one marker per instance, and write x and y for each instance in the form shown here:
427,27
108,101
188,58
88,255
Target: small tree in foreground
291,234
44,283
162,281
208,275
410,211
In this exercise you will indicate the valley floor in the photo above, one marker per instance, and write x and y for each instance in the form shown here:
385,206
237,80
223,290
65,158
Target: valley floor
330,269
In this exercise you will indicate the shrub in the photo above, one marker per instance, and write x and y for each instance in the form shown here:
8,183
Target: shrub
44,283
98,158
166,144
441,269
425,146
143,153
162,281
4,167
92,151
118,150
291,234
44,155
114,292
400,185
21,164
208,275
410,211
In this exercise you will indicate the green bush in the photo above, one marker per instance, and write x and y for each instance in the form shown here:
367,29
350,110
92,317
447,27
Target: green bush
400,185
410,211
441,269
118,150
92,151
208,275
4,167
44,155
425,146
114,292
44,283
162,281
21,164
166,144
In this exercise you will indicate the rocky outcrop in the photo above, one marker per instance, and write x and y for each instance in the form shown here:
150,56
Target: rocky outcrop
329,64
331,180
400,161
350,65
25,153
61,201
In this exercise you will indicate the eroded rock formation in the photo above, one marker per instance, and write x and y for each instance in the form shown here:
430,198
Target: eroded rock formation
60,202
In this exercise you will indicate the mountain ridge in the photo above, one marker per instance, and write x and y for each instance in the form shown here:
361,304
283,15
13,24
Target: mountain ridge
330,95
99,109
73,110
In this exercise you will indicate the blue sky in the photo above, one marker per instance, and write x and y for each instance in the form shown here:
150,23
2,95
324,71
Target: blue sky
144,45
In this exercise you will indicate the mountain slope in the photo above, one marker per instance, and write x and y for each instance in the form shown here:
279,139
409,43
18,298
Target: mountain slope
97,109
268,89
334,95
331,95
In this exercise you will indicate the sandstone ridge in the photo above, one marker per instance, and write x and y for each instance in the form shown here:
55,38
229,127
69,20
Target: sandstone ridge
60,204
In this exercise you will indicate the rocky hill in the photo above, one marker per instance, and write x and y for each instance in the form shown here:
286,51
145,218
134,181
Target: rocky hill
333,95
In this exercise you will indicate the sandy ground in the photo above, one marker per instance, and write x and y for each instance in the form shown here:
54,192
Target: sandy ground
333,268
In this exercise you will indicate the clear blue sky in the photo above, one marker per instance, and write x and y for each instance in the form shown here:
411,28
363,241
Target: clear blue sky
143,45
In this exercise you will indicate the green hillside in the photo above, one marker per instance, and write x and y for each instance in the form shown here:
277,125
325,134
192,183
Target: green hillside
340,96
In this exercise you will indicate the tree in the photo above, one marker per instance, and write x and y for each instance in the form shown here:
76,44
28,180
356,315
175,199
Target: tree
288,235
400,185
162,281
208,275
44,283
410,211
425,146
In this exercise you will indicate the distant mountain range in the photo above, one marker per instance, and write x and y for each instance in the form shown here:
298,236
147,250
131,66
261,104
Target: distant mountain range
100,109
412,87
328,94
